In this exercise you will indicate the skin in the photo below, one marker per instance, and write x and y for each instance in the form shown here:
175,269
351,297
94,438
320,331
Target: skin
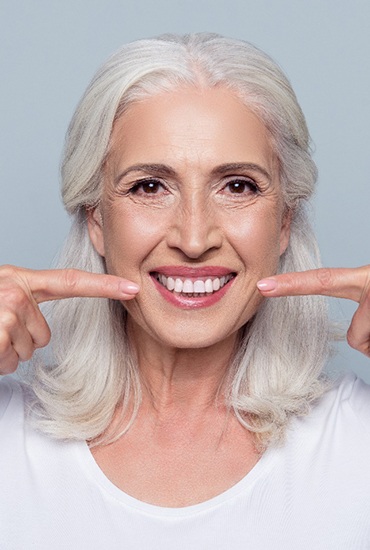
195,217
352,284
23,329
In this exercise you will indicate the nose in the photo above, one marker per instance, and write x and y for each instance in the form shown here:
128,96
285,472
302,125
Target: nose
194,229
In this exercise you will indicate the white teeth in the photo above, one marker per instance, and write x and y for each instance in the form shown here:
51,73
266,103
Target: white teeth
178,285
170,283
216,284
197,287
208,285
188,287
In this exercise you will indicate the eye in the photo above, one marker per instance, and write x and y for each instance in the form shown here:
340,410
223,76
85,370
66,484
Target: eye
240,186
147,186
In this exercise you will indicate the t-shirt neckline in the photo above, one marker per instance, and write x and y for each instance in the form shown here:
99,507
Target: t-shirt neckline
91,468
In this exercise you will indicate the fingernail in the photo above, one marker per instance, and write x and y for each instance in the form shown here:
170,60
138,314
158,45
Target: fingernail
267,284
130,288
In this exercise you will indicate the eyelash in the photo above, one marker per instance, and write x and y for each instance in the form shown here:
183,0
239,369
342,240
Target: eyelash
156,184
134,190
244,182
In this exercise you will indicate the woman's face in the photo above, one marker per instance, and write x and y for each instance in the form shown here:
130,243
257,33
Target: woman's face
192,211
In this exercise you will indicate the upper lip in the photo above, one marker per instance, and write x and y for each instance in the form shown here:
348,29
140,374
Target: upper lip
192,272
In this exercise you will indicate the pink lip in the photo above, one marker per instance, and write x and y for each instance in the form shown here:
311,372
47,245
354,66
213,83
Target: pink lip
192,302
192,272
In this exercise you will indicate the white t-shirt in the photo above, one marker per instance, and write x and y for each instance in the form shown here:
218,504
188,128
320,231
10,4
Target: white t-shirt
312,493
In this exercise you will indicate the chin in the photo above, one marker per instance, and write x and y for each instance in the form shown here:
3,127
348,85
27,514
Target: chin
189,335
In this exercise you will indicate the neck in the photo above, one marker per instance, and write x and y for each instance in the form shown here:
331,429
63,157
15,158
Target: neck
190,380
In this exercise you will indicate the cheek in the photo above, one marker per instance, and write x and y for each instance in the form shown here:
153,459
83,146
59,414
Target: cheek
129,236
257,241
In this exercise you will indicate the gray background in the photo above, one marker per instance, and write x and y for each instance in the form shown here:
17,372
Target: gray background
49,50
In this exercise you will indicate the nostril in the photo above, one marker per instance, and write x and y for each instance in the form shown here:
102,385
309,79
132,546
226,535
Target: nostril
193,244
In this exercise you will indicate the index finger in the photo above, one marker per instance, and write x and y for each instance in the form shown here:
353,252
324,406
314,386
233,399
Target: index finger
347,283
57,284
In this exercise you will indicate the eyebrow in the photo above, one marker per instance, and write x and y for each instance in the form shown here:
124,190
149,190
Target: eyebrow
239,167
165,170
159,169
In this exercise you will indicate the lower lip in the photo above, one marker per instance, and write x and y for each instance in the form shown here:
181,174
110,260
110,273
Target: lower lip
192,302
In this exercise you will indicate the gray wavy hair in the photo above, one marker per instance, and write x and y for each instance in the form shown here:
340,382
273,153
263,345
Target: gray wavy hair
277,371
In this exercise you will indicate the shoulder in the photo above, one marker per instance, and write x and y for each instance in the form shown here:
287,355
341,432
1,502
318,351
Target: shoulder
341,414
23,443
330,446
356,393
351,393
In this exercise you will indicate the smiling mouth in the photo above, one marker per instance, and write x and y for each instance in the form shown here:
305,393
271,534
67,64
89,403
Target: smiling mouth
193,287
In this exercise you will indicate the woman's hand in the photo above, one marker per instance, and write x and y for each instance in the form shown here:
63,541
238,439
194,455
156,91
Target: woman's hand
353,284
22,326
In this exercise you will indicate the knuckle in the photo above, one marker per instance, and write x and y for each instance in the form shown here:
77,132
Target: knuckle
12,291
8,271
325,278
8,320
43,339
352,340
9,367
26,354
5,344
15,297
70,279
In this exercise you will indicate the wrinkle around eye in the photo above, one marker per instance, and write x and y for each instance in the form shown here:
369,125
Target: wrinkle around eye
146,187
156,195
241,195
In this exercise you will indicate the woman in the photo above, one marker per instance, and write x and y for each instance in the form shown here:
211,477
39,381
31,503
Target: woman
207,418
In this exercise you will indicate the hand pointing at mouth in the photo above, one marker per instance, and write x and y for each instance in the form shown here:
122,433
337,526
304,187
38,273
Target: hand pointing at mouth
352,284
22,326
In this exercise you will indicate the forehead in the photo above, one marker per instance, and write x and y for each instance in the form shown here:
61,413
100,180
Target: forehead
191,126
